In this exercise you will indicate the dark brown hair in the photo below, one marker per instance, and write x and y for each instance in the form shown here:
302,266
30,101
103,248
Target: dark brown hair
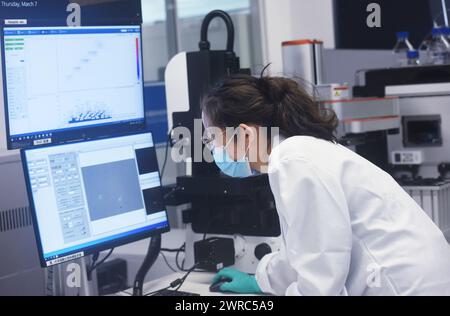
269,102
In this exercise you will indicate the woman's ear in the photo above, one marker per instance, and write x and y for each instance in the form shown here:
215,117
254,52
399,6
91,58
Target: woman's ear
249,132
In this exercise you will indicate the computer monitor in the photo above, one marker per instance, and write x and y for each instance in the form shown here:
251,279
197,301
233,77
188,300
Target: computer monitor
71,83
92,196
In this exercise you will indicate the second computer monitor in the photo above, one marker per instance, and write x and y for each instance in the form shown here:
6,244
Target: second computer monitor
91,196
71,83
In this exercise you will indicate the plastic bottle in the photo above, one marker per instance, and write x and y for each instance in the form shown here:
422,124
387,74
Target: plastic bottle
439,48
413,58
424,50
446,32
401,49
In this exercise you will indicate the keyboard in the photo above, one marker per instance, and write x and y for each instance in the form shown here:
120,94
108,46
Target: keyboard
174,293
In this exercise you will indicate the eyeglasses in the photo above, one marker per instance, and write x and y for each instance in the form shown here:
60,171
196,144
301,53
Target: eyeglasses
208,141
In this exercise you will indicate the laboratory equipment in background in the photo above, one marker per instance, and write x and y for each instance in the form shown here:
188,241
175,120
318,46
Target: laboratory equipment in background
231,211
420,151
395,118
303,59
364,122
439,47
413,58
446,33
417,81
64,84
407,157
333,92
364,125
435,48
424,50
401,49
433,195
348,65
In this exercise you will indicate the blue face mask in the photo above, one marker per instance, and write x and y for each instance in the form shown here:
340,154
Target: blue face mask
230,167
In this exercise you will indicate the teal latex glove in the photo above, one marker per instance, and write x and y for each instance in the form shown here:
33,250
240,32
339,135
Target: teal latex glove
242,283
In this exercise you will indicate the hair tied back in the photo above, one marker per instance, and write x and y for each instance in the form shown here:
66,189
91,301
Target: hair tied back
264,70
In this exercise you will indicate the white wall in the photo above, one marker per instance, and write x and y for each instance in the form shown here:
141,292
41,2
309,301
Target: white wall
284,20
313,19
275,27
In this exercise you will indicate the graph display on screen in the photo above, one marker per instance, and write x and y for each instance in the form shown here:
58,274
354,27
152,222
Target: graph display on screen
71,83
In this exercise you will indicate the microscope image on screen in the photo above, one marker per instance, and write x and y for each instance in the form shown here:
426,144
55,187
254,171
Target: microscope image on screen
112,189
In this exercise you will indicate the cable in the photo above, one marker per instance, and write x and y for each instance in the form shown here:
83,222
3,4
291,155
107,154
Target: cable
177,284
204,43
171,250
166,155
182,249
183,280
167,262
95,265
89,269
158,292
210,224
177,255
103,260
95,257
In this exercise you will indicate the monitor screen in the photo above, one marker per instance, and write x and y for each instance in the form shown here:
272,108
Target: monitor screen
71,83
91,196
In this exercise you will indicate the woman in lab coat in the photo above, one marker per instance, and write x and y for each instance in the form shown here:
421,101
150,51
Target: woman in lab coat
347,227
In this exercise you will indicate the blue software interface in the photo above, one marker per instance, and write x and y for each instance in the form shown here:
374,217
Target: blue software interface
65,84
90,193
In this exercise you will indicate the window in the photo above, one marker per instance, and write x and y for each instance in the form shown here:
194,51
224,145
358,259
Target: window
172,26
190,14
199,8
154,39
153,11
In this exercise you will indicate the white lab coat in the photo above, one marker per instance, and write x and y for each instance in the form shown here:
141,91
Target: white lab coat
348,228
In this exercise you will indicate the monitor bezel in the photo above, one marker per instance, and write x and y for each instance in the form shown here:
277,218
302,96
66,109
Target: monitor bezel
87,132
97,247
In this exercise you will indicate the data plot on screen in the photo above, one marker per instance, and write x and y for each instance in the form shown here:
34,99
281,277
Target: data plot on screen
61,79
87,112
